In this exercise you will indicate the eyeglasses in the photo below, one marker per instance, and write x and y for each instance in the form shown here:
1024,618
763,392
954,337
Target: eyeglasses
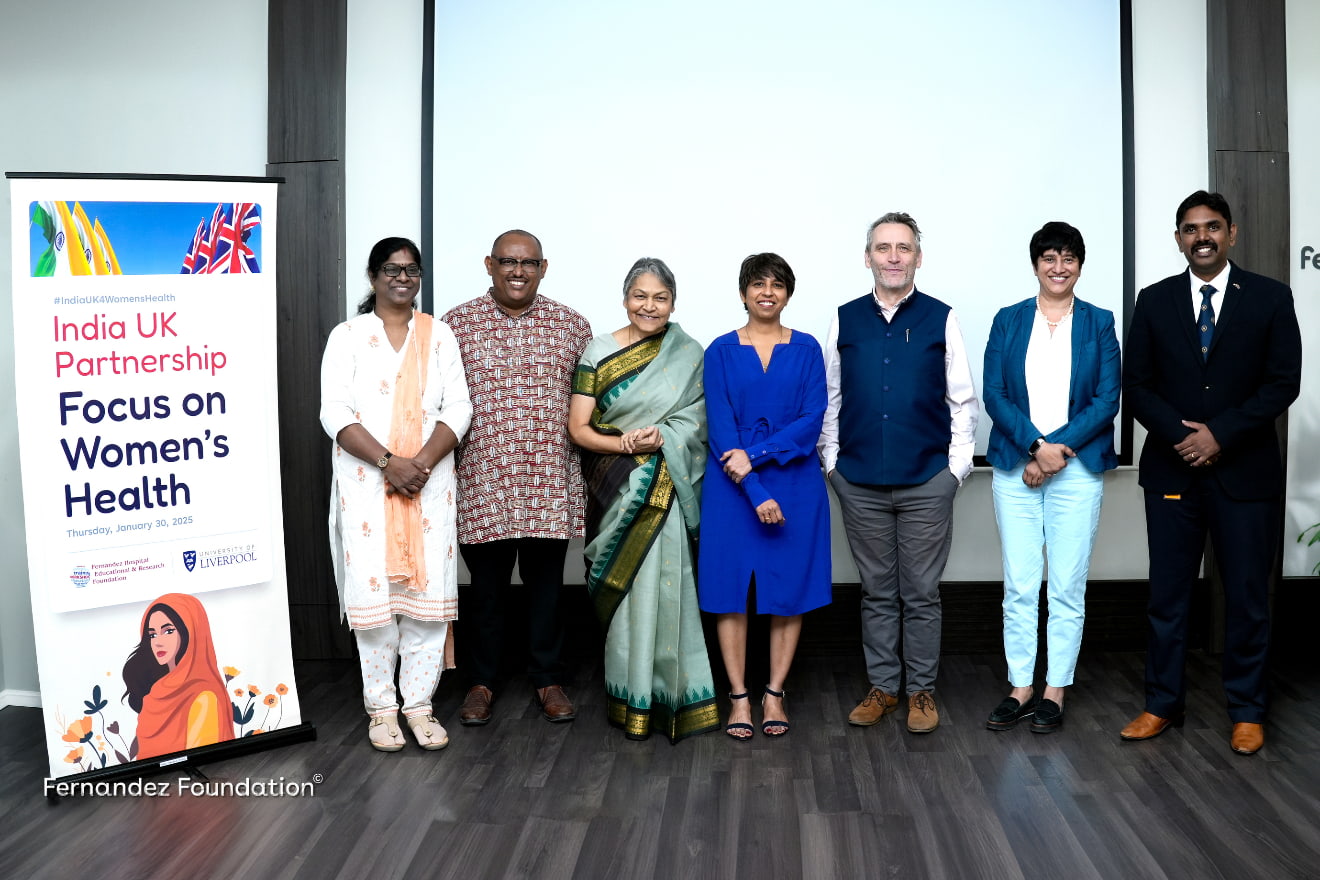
508,264
393,270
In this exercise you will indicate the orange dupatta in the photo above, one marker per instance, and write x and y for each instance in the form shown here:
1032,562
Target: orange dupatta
405,563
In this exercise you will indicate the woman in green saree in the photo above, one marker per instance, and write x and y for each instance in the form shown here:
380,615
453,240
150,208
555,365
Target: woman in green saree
638,413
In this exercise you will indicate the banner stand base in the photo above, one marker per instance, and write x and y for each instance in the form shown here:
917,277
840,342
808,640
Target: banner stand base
185,762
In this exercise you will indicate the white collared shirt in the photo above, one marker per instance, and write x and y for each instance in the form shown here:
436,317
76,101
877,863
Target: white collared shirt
1220,284
959,394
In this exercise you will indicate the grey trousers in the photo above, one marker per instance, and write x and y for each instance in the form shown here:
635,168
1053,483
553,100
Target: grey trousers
900,537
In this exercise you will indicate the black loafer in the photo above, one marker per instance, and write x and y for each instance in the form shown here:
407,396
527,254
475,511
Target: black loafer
1008,713
1048,717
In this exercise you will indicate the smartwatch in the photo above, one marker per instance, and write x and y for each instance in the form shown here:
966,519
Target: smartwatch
1031,450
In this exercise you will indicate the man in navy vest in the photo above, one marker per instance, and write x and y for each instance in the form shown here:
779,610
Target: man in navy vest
1213,358
896,444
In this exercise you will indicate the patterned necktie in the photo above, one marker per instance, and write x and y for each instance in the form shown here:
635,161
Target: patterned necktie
1206,320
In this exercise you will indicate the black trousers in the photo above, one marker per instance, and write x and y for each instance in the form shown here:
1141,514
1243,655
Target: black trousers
1244,534
481,608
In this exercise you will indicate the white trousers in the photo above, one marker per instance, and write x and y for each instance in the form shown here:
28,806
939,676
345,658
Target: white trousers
418,648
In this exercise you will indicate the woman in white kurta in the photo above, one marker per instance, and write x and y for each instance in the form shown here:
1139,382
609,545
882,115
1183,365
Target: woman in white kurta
394,399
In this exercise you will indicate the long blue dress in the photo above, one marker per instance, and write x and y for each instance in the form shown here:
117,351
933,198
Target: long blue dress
775,416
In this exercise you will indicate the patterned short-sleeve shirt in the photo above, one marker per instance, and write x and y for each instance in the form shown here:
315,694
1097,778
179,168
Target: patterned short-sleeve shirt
518,472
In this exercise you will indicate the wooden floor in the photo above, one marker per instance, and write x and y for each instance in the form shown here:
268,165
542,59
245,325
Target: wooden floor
524,798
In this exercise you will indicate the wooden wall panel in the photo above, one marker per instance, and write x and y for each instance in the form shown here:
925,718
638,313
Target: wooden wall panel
1256,185
1247,90
307,58
1247,75
308,48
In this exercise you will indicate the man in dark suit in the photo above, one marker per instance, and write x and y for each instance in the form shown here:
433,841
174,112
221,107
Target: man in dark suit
1213,357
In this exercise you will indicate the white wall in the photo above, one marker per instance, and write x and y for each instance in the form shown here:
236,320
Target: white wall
1304,174
383,148
135,86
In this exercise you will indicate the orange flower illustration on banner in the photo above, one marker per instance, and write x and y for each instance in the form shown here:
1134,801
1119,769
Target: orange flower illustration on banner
79,731
270,700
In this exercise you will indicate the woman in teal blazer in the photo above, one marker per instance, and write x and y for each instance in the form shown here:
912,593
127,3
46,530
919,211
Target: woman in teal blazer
1052,382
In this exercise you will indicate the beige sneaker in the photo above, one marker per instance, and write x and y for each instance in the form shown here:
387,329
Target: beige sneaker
874,706
384,733
923,717
430,735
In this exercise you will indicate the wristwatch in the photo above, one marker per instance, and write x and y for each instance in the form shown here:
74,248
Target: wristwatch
1031,450
384,460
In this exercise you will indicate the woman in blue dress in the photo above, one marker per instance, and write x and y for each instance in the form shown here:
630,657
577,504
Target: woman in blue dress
765,518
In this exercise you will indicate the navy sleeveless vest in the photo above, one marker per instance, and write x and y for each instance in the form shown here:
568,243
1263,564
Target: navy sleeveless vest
893,419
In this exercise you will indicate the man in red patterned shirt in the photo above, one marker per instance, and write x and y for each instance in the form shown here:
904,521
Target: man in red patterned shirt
520,492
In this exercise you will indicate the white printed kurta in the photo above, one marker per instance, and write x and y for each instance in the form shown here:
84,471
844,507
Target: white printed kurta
358,374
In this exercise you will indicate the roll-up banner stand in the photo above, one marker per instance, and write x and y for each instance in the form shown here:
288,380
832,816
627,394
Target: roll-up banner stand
144,348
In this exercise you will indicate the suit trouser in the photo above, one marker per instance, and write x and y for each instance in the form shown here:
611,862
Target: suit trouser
900,538
1244,534
479,636
1062,515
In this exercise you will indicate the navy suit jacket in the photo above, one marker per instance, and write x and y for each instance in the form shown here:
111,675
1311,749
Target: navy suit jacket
1093,388
1252,373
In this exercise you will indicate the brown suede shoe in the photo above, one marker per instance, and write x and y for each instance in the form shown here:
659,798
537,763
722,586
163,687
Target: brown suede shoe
874,706
923,717
1146,726
555,704
1247,737
476,707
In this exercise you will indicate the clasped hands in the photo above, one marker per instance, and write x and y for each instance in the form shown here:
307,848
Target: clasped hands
1199,448
1050,459
736,464
641,440
405,476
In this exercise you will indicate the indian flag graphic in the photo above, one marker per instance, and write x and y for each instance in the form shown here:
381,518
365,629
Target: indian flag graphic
75,245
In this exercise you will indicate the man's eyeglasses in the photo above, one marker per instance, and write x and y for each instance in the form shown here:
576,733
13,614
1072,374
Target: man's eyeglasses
508,264
392,270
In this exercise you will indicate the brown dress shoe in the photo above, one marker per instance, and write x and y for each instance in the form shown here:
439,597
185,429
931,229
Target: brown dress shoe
476,707
1146,726
874,706
923,717
1247,737
555,704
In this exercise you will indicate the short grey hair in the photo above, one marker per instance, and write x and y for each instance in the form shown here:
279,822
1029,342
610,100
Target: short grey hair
650,266
895,217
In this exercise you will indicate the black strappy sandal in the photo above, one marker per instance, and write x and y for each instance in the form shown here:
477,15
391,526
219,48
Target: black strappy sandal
767,723
734,728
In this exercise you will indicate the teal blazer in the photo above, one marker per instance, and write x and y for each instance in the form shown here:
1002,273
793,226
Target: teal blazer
1093,388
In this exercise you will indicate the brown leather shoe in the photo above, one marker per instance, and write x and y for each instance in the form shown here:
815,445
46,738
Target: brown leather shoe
476,706
923,717
1247,737
874,706
555,704
1146,726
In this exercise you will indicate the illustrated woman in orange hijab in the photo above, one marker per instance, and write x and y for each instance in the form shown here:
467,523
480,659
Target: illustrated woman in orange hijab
173,680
